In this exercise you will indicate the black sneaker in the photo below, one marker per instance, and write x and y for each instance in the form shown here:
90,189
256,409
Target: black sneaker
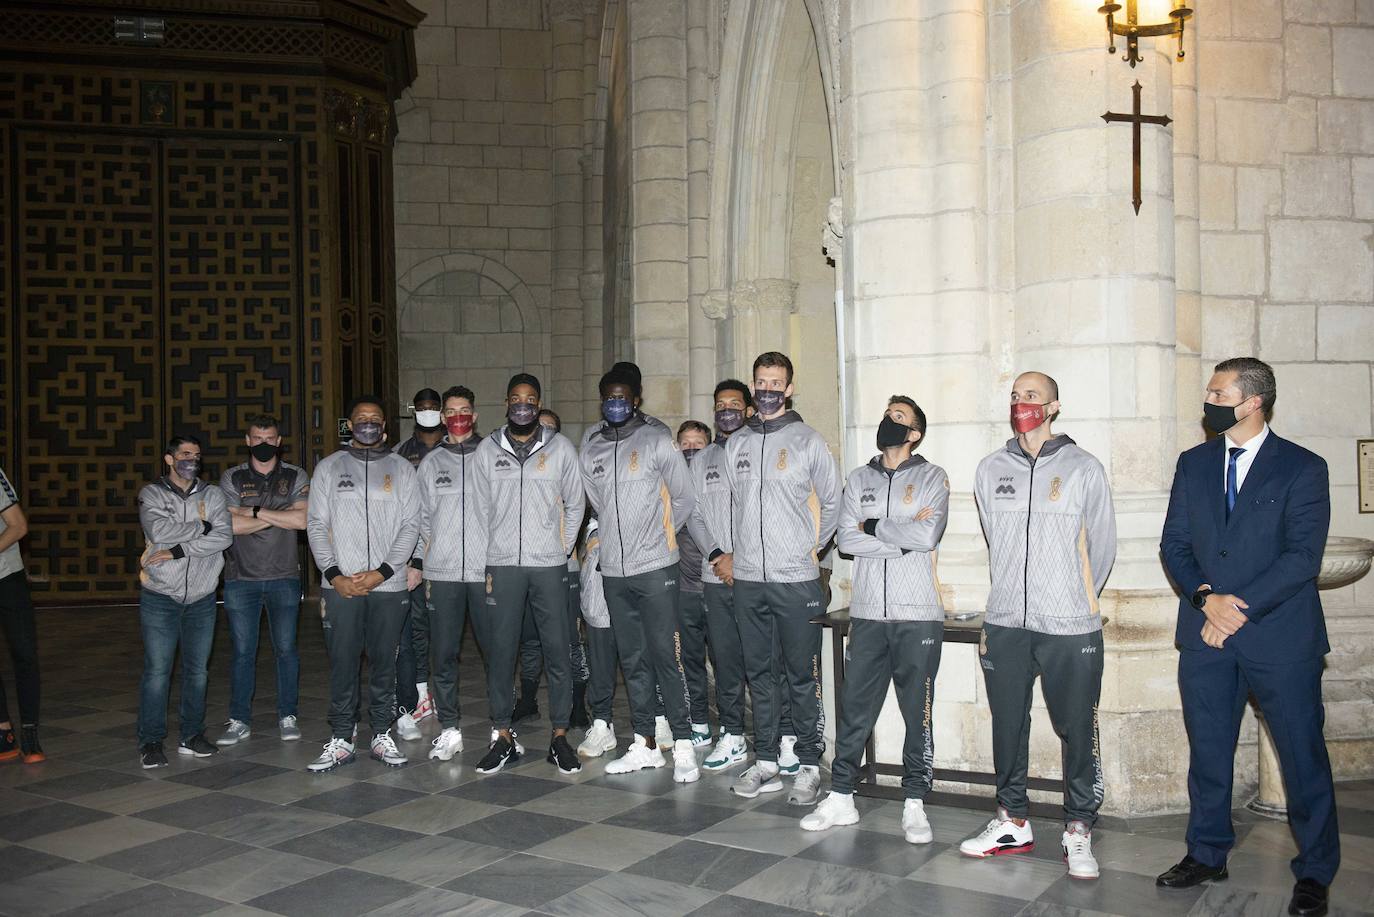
562,754
28,744
501,753
197,746
151,756
9,748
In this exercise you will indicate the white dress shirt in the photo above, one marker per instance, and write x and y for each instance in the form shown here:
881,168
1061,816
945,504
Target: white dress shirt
1244,460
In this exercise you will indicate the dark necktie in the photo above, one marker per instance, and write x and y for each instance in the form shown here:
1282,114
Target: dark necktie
1231,487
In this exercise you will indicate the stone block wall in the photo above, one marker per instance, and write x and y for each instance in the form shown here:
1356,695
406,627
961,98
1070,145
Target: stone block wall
1286,182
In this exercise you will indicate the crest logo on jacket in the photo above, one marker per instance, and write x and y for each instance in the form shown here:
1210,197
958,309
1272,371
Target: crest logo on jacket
346,483
712,476
1004,486
502,463
743,464
283,486
597,469
906,498
543,461
443,480
782,459
634,460
386,484
1055,489
868,498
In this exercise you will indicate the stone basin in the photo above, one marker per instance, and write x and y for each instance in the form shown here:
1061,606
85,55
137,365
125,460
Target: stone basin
1345,560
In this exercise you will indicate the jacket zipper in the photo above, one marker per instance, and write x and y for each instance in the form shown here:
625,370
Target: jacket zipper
875,528
1025,567
520,522
615,489
763,548
186,585
463,515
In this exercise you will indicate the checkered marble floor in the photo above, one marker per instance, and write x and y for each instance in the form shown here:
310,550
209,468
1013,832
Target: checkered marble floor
251,832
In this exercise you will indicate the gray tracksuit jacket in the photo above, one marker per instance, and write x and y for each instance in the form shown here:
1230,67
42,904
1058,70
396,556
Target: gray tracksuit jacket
195,526
1051,535
893,551
533,508
452,547
642,492
363,514
594,609
712,520
786,496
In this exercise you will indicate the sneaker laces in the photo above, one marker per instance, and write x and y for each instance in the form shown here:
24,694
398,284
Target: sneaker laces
334,746
288,721
1077,843
387,743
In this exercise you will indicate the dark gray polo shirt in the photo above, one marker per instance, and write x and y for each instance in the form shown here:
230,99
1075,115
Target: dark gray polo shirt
272,553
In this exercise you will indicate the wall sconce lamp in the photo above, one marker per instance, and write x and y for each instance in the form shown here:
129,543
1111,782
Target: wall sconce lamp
1132,30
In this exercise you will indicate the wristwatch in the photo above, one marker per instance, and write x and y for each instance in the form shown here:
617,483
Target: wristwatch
255,511
1200,598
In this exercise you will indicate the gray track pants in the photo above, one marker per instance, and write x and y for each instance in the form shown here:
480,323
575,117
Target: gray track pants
449,607
367,623
879,653
779,615
1071,680
497,625
727,658
648,635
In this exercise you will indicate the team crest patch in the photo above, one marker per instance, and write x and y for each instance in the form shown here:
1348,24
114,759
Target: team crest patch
1056,489
386,484
543,460
982,643
488,584
283,486
907,498
634,460
782,459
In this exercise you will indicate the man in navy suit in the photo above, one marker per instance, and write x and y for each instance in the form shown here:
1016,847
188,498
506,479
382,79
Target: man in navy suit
1243,540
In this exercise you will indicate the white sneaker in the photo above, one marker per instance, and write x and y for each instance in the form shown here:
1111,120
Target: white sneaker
663,733
598,740
446,745
406,727
514,738
807,787
384,750
234,733
290,732
424,707
336,752
701,734
915,825
729,751
1002,835
761,778
835,809
1078,851
788,762
636,758
685,768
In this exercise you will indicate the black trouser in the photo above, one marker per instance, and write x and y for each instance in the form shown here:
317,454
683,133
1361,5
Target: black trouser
21,632
449,607
498,631
367,623
532,651
603,659
412,653
1070,667
727,658
879,653
692,607
782,657
648,634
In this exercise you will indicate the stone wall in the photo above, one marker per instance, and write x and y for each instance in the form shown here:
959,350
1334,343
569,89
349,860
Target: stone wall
1286,175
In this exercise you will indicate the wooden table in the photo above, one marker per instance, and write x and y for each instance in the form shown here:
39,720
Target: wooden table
965,631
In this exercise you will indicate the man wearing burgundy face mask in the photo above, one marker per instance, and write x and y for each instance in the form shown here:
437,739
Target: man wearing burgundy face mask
1046,510
267,500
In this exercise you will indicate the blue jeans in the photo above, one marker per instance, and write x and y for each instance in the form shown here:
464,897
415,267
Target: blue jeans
243,604
165,623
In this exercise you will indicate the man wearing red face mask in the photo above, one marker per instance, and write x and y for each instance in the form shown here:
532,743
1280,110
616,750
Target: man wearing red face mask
1046,510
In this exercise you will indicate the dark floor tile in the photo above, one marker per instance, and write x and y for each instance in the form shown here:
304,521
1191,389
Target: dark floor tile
227,773
730,906
1121,892
505,789
885,853
73,785
347,842
17,862
203,810
705,865
150,899
525,880
357,800
1352,821
57,816
343,891
171,855
925,899
668,815
515,830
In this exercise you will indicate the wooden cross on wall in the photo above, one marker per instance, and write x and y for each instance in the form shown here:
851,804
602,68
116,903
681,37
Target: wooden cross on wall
1135,118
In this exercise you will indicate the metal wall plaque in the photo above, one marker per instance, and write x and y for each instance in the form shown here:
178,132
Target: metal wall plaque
1364,471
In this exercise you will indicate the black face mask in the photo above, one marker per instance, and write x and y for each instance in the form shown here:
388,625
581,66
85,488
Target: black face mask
891,433
1219,417
263,452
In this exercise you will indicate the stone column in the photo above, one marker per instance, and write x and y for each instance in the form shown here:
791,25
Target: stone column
567,24
658,201
592,281
701,330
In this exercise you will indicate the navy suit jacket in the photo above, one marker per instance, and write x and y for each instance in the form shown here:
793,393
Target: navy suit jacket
1268,553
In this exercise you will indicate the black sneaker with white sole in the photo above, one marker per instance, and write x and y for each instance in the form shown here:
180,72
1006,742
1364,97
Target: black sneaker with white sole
151,756
501,753
198,746
562,754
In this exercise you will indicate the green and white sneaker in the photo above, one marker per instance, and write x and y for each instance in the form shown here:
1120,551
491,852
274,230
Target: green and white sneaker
729,751
788,762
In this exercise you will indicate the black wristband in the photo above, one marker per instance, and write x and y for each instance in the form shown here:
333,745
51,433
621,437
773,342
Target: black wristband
386,571
178,552
417,563
255,511
331,574
871,527
714,554
1200,598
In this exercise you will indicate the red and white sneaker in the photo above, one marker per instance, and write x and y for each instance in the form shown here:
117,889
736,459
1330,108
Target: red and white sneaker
424,709
1002,835
1078,851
